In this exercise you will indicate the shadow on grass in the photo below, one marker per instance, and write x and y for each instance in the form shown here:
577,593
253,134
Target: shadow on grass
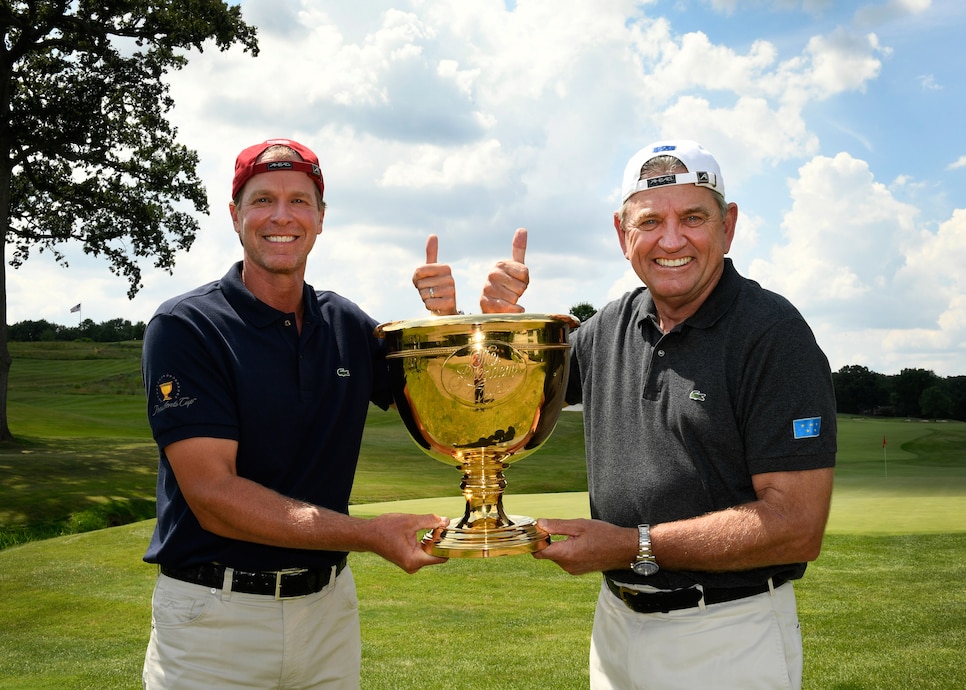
55,487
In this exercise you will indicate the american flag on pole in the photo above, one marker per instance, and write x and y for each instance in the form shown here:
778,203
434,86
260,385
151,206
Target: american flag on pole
76,307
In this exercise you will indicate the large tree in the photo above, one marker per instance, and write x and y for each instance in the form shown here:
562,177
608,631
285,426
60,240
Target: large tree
87,156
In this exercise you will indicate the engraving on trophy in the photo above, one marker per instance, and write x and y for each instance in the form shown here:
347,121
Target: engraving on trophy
486,373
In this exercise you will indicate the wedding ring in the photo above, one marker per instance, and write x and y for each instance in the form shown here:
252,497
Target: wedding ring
432,293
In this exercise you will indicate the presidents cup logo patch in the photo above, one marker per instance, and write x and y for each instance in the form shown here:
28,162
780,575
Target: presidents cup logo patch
167,394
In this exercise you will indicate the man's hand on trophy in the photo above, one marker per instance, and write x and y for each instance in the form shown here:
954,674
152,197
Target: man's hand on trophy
435,282
508,280
395,537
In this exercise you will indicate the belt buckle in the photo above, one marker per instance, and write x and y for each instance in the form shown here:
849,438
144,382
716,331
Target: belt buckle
627,591
279,574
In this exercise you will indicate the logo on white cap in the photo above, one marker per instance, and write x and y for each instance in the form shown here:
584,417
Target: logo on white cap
703,168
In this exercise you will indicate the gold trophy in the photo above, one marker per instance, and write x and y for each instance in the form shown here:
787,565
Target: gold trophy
479,392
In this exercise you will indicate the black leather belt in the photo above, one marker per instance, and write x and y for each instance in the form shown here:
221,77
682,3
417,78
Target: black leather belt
282,584
689,597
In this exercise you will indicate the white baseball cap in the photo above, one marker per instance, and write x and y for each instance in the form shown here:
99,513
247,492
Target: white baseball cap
703,169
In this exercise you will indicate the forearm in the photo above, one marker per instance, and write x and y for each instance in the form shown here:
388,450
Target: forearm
237,508
741,538
784,525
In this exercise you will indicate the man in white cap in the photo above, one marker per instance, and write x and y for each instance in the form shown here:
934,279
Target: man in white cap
709,419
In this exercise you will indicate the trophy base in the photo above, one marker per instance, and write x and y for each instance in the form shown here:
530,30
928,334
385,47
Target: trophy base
522,536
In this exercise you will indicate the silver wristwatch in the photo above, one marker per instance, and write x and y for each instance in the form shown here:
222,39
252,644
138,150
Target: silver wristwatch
645,563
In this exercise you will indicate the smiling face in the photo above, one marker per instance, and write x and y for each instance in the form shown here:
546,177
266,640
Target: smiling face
676,238
277,217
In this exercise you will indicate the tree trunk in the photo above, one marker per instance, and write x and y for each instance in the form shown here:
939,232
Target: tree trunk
5,359
6,174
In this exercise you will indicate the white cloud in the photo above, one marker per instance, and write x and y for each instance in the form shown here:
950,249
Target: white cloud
841,240
875,15
469,119
482,164
832,64
928,83
808,6
882,290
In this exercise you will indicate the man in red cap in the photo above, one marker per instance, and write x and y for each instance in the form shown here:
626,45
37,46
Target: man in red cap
258,388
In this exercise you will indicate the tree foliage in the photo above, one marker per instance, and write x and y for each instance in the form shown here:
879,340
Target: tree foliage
910,384
87,155
936,403
919,393
859,390
583,311
113,331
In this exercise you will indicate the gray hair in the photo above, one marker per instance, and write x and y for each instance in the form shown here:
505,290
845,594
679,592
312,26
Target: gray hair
669,165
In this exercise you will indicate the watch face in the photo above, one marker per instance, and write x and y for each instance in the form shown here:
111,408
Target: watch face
645,568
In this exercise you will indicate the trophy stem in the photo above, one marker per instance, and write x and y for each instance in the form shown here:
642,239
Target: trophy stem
483,484
485,529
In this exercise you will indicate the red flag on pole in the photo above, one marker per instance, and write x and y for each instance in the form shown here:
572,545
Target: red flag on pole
883,441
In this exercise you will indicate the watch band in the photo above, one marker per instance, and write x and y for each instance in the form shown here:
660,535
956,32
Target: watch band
644,542
645,563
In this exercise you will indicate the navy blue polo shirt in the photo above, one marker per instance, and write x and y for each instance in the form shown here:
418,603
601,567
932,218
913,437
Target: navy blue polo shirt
219,363
677,424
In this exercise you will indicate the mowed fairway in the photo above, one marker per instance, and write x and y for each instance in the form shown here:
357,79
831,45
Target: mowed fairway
883,607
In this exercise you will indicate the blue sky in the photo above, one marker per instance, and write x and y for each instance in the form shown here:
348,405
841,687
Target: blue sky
837,126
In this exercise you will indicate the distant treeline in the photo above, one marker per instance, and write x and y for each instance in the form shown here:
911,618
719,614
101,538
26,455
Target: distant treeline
918,393
111,331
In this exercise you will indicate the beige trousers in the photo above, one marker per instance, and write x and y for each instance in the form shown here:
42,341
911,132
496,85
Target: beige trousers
204,638
748,644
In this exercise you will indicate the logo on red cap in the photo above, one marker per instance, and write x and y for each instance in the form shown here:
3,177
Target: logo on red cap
246,166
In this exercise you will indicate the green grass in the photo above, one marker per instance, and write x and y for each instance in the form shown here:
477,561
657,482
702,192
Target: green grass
882,607
84,457
886,612
76,614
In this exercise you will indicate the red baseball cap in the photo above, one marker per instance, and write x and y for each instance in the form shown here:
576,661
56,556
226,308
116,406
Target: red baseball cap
246,167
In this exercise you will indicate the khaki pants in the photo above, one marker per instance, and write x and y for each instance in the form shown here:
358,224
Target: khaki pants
748,644
204,638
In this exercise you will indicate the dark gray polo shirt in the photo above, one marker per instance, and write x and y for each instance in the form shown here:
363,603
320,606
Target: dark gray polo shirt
676,424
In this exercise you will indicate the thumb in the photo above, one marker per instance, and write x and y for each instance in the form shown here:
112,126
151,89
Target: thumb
552,526
520,245
432,249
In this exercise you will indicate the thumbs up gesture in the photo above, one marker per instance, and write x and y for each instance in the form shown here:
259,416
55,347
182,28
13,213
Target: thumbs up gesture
508,280
435,282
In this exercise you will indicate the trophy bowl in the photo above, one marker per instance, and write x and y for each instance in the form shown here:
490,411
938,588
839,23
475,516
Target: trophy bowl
479,392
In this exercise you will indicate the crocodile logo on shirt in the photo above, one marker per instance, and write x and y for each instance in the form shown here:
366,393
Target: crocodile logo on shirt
697,395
